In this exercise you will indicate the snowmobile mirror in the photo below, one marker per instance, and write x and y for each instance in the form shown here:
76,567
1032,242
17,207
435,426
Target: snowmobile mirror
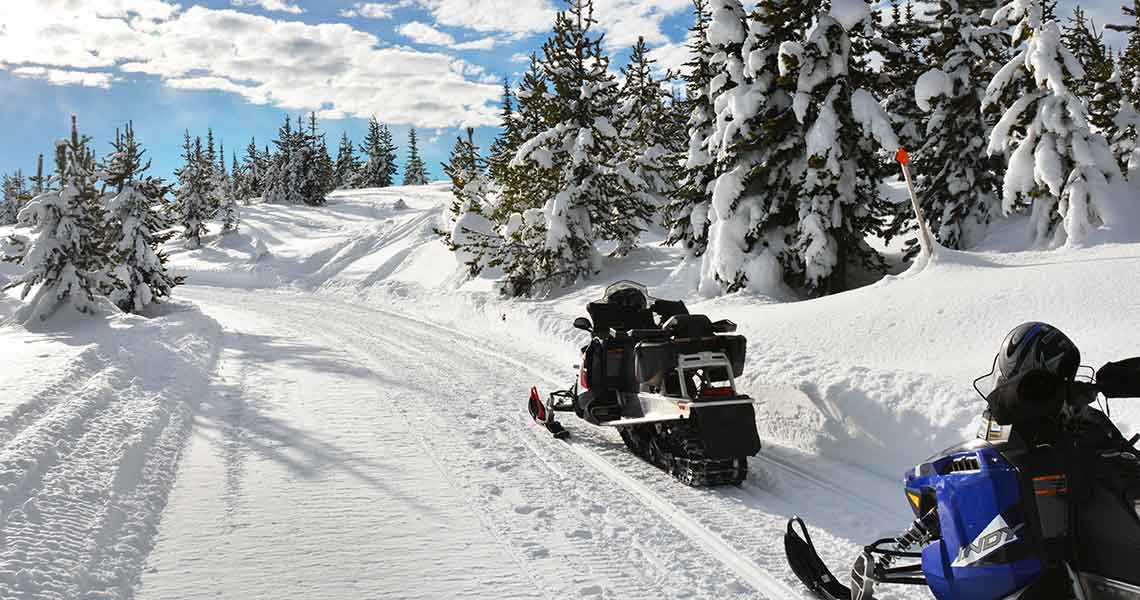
583,323
724,326
1120,379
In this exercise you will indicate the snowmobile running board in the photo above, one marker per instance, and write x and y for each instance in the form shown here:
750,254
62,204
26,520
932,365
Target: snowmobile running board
670,415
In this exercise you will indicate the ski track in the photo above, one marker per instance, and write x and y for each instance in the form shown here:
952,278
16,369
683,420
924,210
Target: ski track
568,533
85,468
507,466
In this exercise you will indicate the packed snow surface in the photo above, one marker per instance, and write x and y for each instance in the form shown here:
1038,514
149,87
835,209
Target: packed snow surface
331,409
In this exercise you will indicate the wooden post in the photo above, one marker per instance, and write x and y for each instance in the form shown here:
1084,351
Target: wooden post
924,238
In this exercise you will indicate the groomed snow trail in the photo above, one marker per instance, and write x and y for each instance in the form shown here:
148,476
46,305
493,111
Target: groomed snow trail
354,452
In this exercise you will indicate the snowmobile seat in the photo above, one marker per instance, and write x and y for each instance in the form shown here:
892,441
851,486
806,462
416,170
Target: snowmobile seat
609,317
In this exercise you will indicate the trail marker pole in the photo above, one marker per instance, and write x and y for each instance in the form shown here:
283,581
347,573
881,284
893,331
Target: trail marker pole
924,238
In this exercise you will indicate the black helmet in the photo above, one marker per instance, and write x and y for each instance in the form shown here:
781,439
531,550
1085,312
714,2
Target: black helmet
1032,346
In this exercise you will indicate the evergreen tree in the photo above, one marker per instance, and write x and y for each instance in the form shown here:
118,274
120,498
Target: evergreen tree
380,153
687,213
415,172
645,145
840,184
904,51
525,186
347,167
1125,138
473,237
388,151
67,251
957,182
38,180
758,145
192,208
1057,166
1087,45
287,176
14,194
1130,60
507,143
591,199
253,173
238,177
139,227
321,174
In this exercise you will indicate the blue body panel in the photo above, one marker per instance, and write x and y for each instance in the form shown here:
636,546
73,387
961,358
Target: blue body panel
969,500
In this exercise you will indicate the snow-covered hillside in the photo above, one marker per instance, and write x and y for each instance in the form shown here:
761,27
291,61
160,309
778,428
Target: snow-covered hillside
354,411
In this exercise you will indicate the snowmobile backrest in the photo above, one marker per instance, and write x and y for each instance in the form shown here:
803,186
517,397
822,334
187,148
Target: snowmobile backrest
1120,379
667,309
607,317
686,327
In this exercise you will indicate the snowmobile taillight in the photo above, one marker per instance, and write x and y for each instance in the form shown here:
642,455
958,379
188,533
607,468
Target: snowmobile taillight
718,392
582,379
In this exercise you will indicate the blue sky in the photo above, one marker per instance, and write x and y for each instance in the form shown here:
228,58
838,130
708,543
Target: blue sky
239,66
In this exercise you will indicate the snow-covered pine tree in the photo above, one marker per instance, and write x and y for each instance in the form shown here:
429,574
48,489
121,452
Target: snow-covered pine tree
388,151
286,177
592,199
526,186
957,182
506,144
1125,139
473,237
139,227
840,184
191,206
642,118
253,173
237,177
415,173
321,170
758,144
67,249
687,213
375,172
1087,45
1130,59
224,191
903,44
347,167
38,180
14,195
1058,167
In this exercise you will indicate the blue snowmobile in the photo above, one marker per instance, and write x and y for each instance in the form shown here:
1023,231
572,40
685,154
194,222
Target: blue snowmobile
1044,504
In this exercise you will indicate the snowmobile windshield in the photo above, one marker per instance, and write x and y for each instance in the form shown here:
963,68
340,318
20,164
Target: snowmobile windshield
627,289
989,382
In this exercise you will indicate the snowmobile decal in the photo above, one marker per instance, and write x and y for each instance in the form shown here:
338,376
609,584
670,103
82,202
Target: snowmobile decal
994,537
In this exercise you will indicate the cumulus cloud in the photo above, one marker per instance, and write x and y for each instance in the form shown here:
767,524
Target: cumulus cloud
512,16
622,20
65,77
374,10
292,65
270,5
422,33
486,43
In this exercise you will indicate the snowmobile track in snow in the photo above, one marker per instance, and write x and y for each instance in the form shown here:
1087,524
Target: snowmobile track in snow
732,557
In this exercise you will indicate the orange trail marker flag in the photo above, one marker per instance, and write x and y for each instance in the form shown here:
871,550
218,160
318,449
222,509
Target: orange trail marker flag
924,237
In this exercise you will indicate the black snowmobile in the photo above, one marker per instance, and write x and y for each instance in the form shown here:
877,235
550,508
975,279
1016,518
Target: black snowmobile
666,380
1045,504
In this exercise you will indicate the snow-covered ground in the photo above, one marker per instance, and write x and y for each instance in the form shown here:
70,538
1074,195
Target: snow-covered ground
331,409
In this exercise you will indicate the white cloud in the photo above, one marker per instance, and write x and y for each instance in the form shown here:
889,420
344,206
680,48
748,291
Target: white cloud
374,10
422,33
65,77
486,43
520,57
291,65
622,20
270,5
514,16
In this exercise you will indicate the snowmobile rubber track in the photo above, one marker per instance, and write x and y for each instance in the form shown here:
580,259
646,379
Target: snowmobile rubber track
677,449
